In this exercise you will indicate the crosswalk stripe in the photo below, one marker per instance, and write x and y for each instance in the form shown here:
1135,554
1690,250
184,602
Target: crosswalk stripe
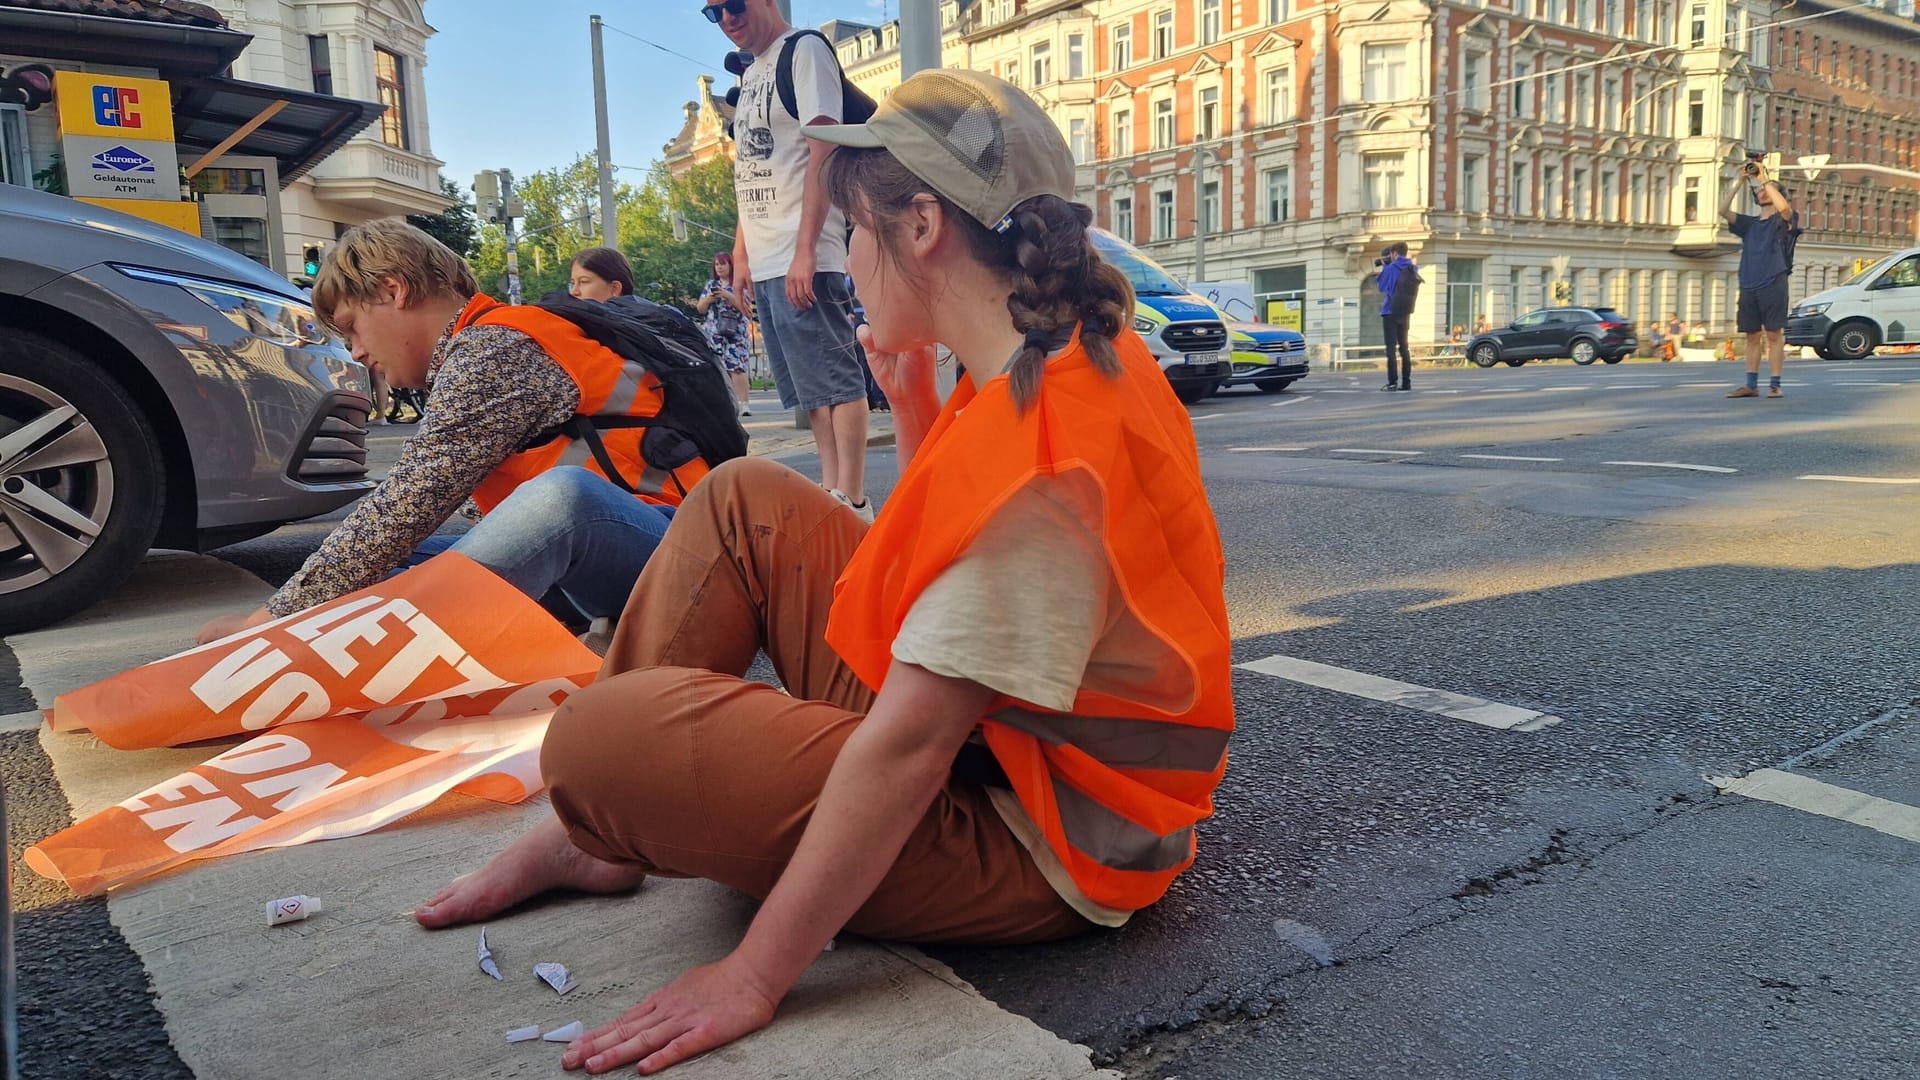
1406,695
1863,479
1674,465
1507,457
1798,792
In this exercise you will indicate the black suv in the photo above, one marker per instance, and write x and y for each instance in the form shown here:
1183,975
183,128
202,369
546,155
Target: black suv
1580,334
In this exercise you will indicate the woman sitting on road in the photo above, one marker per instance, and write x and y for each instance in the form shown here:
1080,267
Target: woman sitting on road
600,273
1009,711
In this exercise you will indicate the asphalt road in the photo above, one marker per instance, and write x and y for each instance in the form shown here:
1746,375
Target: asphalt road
1386,891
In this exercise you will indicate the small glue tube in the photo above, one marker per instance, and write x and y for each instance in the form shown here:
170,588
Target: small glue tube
292,909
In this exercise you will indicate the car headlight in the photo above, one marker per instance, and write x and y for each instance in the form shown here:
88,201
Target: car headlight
279,319
1809,309
1142,325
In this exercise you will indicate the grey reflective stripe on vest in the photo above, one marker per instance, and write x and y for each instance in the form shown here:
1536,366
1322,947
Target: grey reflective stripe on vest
1124,743
576,453
625,392
1112,840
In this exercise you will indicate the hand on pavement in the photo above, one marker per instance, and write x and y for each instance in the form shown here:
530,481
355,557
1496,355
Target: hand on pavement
227,625
705,1008
902,376
800,280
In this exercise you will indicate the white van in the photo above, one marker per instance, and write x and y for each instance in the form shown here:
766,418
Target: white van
1877,306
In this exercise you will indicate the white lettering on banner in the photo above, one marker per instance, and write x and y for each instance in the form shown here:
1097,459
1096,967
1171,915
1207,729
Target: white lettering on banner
533,697
333,645
238,674
300,785
309,628
264,754
293,697
429,643
170,791
202,823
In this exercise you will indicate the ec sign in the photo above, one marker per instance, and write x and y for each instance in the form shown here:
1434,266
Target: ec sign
117,137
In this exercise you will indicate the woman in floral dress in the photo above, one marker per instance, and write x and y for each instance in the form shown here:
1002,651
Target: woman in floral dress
727,325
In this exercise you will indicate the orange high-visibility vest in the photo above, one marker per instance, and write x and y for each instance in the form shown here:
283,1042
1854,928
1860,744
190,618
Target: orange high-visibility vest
1115,785
609,386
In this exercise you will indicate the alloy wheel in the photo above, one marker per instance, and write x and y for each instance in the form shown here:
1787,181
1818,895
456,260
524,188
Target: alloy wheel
56,484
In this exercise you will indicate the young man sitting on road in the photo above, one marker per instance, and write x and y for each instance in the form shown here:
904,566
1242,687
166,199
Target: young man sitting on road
500,376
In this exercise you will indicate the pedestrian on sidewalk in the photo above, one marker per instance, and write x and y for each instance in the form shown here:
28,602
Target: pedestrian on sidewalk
600,274
876,401
504,380
1399,281
1765,273
1005,721
790,250
727,321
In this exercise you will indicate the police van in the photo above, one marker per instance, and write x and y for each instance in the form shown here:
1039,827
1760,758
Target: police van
1183,331
1878,306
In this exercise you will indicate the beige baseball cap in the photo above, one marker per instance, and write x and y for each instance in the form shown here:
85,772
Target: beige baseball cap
981,142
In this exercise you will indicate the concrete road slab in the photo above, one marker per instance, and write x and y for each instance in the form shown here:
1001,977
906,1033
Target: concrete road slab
361,990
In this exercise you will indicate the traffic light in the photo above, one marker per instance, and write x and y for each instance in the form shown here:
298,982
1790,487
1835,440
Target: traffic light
310,259
1563,292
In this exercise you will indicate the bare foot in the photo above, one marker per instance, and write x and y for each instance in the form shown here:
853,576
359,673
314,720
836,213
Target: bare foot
542,860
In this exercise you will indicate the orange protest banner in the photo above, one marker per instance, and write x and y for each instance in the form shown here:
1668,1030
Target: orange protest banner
448,631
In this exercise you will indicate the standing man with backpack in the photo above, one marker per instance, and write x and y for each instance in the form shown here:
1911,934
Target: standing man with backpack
1766,268
790,251
1399,283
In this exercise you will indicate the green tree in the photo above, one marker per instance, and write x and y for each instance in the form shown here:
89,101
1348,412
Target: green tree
554,230
457,226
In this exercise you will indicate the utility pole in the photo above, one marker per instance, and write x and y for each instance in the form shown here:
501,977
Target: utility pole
609,229
919,37
1201,154
513,265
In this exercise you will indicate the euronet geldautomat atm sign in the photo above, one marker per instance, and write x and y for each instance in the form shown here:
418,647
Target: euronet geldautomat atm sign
117,137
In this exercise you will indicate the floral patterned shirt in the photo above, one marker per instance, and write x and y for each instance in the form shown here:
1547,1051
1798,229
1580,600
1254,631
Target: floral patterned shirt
490,389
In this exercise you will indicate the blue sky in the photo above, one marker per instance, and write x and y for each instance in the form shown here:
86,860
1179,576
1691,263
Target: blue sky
510,82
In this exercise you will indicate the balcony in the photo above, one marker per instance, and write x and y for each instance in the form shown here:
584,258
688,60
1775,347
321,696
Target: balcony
1394,223
380,180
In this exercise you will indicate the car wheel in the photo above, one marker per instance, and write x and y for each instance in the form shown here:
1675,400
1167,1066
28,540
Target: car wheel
81,483
1583,352
1192,393
1486,355
1273,386
1853,340
1516,362
1610,359
1823,352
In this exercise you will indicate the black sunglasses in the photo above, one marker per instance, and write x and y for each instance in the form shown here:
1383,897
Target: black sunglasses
730,7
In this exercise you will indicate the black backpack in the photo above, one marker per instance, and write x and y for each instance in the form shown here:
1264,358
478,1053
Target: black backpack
697,418
1406,290
1792,240
855,106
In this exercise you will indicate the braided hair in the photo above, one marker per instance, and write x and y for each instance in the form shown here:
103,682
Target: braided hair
1046,256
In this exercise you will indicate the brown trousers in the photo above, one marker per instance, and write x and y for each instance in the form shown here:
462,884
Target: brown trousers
673,762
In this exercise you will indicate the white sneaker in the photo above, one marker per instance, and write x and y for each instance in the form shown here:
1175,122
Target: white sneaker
864,509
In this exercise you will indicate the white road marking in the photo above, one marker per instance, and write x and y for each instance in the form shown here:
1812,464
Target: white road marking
1507,457
1674,465
1630,386
1344,391
1206,416
1266,449
1508,390
1697,385
1426,391
1289,401
1554,389
1798,792
1862,479
1406,695
1865,384
1400,453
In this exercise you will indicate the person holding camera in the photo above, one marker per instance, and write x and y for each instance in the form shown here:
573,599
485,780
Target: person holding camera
1764,269
1399,282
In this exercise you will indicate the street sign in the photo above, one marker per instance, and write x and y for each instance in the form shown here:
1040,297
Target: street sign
1813,163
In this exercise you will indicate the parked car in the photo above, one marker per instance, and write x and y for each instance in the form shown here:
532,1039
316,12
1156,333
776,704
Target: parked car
1183,331
155,390
1582,335
1270,358
1878,306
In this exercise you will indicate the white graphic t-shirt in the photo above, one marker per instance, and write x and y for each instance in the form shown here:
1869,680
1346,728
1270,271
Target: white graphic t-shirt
770,158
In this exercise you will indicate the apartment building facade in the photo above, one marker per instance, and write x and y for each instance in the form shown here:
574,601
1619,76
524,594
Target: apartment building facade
368,50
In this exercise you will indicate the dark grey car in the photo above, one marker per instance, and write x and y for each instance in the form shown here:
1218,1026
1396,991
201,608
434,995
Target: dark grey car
155,390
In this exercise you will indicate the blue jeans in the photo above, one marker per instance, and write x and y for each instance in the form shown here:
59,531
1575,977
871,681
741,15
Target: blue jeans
567,530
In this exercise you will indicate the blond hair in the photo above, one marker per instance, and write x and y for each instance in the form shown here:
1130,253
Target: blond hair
356,269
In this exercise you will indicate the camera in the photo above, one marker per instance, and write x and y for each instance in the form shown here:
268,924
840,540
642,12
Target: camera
1386,256
1751,167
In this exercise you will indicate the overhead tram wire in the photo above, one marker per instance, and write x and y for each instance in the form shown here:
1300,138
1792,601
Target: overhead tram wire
702,64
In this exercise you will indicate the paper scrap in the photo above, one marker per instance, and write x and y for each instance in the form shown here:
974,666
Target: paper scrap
486,958
565,1034
556,976
525,1034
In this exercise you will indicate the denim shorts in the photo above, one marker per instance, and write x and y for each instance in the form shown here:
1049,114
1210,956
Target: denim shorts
815,360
